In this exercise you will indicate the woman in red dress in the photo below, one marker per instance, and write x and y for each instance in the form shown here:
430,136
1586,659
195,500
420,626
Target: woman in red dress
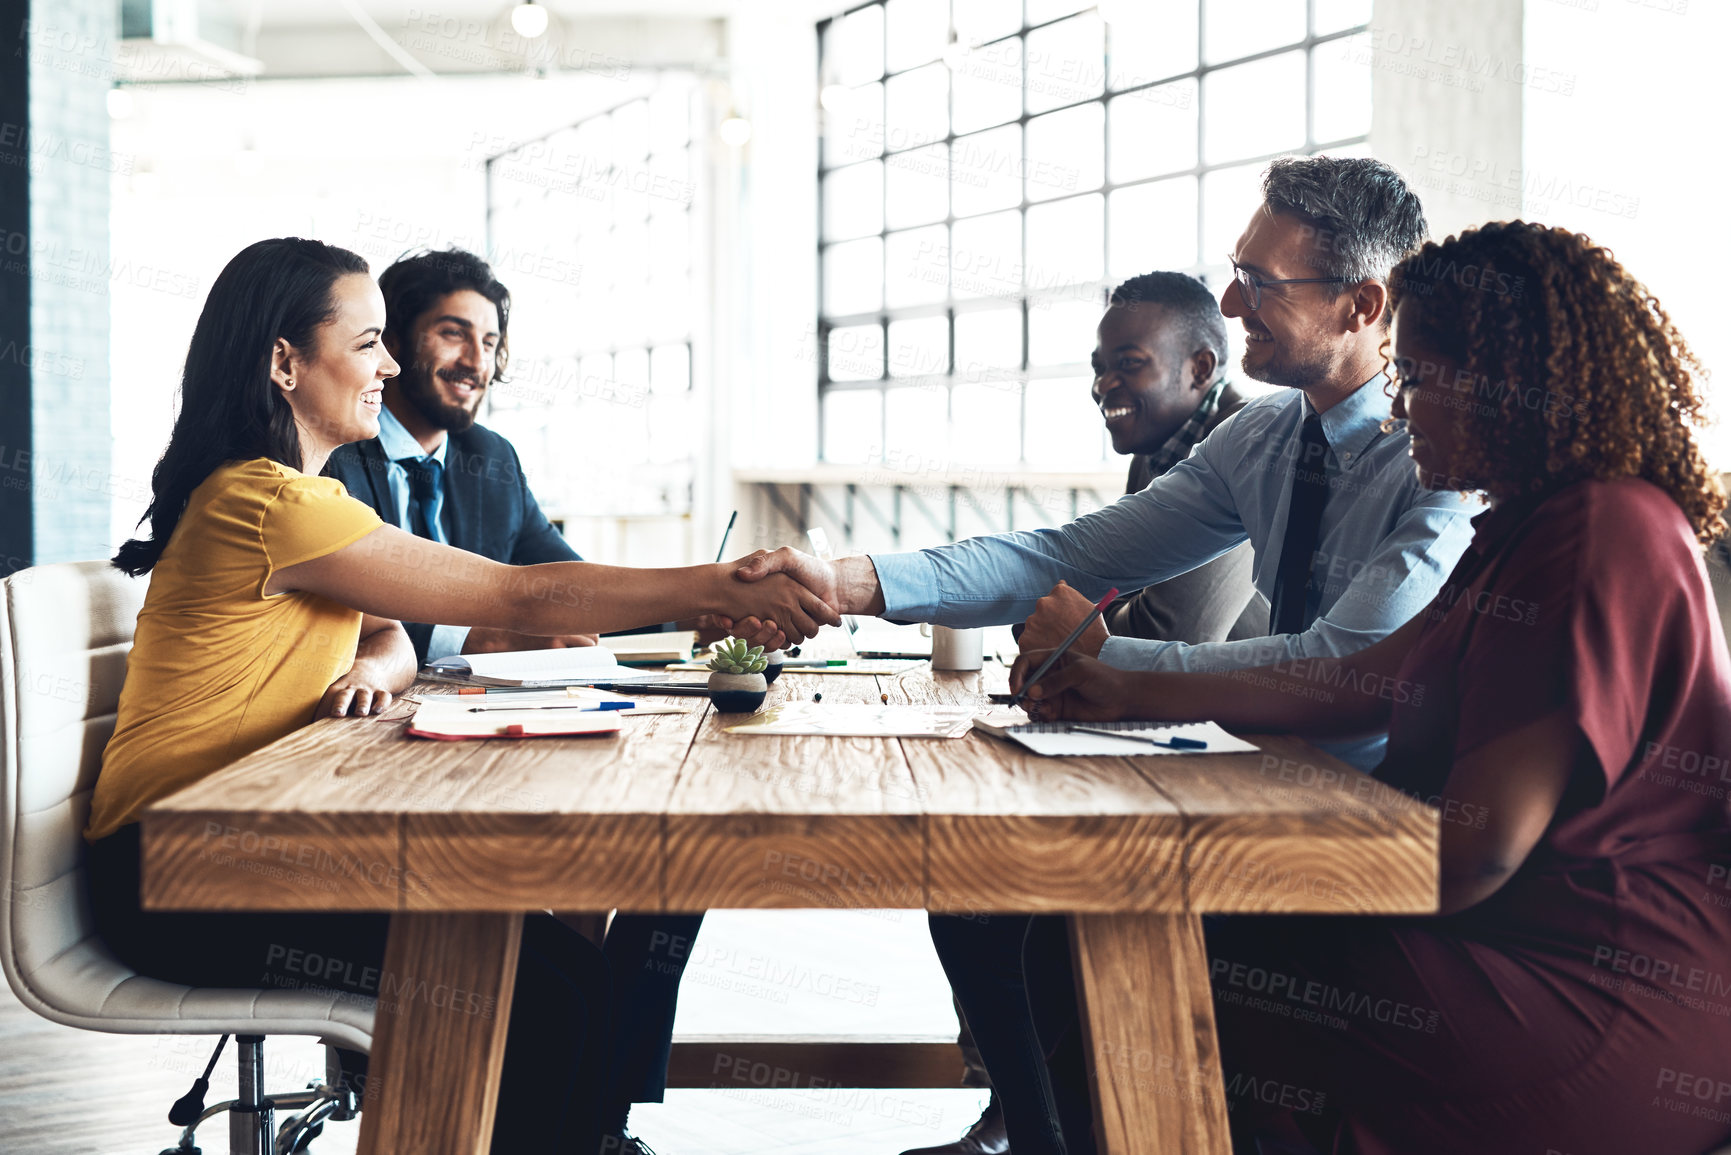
1569,711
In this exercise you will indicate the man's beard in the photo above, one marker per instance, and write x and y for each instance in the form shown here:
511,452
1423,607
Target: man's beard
1280,369
418,390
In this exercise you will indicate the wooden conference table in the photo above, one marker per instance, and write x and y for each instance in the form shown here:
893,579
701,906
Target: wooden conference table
457,839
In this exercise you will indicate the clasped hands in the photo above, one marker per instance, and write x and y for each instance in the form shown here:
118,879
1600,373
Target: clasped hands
1077,687
781,597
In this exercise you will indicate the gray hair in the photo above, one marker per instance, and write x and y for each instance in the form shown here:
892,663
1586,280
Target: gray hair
1365,218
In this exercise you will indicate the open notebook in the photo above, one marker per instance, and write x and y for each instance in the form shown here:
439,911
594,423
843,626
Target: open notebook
577,666
1063,739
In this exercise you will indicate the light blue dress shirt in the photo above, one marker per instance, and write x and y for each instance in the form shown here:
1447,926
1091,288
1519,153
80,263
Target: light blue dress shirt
1385,545
398,442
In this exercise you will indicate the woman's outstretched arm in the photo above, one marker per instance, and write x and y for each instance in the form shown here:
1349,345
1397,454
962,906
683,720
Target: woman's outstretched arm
395,574
1319,697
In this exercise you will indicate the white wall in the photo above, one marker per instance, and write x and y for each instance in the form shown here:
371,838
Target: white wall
1446,95
1631,150
379,166
1602,116
766,258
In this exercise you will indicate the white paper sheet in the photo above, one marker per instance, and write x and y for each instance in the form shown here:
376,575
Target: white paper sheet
1062,740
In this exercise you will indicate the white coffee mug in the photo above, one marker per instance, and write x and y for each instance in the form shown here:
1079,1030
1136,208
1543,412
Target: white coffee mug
956,649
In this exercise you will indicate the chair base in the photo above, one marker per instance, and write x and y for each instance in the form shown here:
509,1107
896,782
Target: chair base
252,1126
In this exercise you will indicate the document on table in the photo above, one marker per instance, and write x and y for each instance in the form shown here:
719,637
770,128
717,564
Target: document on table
451,717
1063,740
851,666
576,666
526,715
857,720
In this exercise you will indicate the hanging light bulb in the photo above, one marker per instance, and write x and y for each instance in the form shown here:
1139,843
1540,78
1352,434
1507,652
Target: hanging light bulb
529,19
735,130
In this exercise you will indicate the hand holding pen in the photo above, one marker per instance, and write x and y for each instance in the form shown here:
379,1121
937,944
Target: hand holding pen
1087,690
1069,641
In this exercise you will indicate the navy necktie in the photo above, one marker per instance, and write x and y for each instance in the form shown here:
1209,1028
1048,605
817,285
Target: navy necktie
1290,606
425,473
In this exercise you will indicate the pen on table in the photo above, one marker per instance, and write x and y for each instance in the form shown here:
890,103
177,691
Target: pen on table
1176,742
517,691
725,534
557,706
1067,643
692,689
813,663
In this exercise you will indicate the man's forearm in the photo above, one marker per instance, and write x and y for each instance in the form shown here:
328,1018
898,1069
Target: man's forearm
857,588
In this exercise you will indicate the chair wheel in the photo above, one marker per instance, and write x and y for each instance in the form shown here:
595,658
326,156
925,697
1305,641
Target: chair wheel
181,1151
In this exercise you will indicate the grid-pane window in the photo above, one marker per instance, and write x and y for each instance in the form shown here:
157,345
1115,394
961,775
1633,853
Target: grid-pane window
611,352
990,168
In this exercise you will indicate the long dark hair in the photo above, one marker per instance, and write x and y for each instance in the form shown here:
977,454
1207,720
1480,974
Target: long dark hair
229,408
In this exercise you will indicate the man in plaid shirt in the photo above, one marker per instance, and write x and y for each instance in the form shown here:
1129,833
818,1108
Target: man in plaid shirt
1159,383
1159,380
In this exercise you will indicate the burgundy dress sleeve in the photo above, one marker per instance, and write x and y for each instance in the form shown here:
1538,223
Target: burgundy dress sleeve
1582,613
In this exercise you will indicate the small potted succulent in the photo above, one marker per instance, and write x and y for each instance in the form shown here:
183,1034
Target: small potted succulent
736,681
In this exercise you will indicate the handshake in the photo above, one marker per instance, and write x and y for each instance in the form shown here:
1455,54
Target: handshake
778,598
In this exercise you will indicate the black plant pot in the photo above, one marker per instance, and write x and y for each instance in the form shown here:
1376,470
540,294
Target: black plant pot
737,693
737,701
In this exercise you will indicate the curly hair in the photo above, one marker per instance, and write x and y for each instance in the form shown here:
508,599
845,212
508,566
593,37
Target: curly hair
1575,362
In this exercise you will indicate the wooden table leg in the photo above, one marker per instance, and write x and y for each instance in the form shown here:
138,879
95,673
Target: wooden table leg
439,1039
1148,1022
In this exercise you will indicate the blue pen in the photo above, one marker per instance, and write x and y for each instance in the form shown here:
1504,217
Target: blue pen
1173,743
557,706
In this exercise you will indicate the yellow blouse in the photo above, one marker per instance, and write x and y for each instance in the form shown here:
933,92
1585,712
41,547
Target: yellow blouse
217,668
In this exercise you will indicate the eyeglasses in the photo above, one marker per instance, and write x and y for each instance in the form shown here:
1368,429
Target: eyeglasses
1250,285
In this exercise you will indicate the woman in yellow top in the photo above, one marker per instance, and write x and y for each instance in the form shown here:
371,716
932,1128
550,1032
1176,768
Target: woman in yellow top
276,597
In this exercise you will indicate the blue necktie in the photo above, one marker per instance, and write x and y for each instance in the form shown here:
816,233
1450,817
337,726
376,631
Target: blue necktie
425,475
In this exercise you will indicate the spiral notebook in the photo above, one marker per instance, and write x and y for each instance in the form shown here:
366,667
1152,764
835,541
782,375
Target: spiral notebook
1064,740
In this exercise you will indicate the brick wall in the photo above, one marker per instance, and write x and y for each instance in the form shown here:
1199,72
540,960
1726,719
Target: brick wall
71,50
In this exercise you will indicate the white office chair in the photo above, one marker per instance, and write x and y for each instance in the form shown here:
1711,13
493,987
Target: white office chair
64,634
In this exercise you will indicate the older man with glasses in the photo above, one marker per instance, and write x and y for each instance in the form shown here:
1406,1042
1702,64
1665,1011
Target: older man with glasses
1348,547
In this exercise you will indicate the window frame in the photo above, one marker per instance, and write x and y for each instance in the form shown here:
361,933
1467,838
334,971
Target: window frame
691,339
1208,266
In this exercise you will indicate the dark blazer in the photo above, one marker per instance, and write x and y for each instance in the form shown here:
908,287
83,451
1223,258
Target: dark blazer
488,507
